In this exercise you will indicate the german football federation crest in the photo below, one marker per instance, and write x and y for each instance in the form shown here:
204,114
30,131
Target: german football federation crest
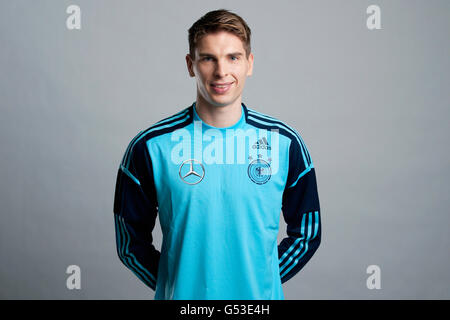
259,171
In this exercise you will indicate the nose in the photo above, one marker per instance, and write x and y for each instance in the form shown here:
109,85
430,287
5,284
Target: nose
220,70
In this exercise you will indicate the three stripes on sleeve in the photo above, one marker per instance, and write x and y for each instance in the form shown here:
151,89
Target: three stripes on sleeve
294,258
127,257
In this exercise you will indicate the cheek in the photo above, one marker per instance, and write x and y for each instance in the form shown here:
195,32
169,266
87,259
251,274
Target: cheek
200,75
204,73
240,72
241,76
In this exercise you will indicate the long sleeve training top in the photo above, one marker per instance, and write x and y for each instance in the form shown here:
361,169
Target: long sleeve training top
219,193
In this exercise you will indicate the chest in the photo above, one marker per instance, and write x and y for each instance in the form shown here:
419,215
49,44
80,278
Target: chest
216,177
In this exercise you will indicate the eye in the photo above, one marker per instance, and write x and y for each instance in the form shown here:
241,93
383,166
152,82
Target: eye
206,58
234,58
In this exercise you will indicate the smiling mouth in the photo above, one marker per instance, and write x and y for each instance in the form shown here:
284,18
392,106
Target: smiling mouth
221,85
221,88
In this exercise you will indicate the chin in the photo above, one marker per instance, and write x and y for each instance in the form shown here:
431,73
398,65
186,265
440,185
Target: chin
221,103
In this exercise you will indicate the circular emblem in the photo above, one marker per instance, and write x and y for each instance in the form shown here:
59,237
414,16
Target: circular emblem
259,171
191,171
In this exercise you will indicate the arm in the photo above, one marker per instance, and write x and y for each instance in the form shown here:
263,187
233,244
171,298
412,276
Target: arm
301,211
135,210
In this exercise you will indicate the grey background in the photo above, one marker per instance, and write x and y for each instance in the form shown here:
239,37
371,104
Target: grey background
372,107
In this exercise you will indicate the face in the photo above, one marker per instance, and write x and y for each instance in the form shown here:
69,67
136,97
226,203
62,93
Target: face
220,68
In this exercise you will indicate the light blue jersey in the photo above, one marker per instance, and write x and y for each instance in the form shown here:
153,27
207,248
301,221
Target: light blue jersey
219,193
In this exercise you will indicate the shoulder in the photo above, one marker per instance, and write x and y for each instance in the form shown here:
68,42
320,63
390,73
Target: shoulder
297,144
137,144
164,126
264,120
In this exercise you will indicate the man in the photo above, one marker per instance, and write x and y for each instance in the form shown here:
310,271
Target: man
219,174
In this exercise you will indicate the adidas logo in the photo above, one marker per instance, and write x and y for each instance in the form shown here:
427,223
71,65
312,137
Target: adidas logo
262,144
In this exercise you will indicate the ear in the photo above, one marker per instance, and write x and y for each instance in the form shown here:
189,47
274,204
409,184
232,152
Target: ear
190,65
250,64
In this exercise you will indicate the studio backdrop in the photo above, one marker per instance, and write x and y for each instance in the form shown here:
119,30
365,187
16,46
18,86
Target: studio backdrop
366,84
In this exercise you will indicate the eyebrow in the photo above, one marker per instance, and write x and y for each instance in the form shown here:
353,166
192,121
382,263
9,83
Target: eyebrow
211,55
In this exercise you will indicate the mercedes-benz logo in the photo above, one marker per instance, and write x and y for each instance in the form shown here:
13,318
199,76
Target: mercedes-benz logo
197,177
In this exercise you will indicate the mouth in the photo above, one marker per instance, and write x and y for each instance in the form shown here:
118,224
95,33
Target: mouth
221,87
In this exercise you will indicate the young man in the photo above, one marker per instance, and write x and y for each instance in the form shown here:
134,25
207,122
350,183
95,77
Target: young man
219,174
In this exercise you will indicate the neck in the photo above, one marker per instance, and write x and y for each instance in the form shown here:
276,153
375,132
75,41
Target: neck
216,115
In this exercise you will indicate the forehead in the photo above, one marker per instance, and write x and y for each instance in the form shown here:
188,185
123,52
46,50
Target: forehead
220,41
